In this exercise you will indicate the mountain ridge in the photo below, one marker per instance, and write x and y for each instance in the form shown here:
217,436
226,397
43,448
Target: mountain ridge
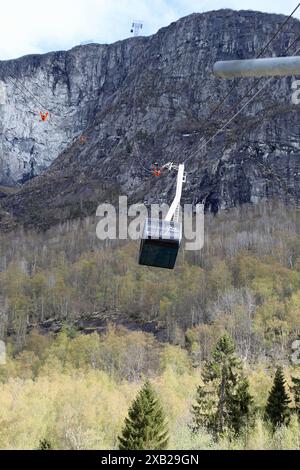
156,99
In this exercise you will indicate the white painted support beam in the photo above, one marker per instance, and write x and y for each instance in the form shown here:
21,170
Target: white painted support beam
268,67
176,201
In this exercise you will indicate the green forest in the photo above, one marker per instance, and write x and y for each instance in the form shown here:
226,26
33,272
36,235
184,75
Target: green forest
93,339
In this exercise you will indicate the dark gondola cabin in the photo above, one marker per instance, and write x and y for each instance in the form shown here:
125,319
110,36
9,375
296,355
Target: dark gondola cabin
160,243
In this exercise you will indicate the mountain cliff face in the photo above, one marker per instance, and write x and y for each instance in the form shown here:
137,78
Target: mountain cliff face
72,86
147,99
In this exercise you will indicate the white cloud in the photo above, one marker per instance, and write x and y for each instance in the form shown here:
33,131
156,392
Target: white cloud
37,26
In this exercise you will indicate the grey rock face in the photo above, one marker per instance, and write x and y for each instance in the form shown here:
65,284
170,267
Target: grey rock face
72,86
147,99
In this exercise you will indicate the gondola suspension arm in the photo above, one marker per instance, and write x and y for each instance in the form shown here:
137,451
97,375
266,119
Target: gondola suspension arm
173,212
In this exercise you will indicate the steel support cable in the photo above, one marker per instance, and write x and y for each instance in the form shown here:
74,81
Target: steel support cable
231,90
224,126
29,92
259,79
22,87
22,92
249,90
21,84
204,145
257,57
37,100
16,84
135,147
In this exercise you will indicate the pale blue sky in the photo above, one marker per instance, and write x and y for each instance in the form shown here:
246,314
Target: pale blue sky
37,26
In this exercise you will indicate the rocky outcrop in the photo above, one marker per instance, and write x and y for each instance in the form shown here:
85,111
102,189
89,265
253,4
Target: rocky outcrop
72,86
146,99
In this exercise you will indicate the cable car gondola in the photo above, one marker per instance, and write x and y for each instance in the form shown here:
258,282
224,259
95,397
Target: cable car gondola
161,239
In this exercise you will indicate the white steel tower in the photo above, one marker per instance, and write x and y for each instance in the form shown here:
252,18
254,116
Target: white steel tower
136,27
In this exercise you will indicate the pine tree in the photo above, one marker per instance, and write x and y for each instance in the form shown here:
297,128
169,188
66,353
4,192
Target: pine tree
223,402
145,427
296,393
44,444
241,407
277,410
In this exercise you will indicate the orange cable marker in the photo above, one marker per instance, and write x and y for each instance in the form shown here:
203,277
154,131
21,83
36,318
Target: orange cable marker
44,116
83,139
156,172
